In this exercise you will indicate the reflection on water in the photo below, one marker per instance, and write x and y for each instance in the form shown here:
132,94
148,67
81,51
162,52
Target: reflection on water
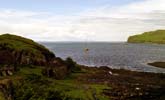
115,55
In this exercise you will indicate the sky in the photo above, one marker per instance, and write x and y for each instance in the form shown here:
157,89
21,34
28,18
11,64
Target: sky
81,20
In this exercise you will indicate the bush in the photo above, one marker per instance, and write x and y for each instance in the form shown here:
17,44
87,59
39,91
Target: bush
72,65
35,87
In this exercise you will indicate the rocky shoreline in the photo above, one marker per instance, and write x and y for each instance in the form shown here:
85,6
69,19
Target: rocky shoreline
127,85
158,64
30,72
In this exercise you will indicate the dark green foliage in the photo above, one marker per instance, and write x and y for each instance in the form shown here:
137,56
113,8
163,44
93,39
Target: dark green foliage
72,65
44,89
33,77
35,87
149,37
6,57
60,69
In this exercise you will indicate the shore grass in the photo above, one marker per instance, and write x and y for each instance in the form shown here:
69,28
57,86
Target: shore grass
88,84
68,89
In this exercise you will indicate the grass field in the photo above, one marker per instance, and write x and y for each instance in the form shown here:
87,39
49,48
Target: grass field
33,85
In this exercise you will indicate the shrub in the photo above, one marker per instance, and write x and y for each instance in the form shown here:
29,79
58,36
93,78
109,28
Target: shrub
72,65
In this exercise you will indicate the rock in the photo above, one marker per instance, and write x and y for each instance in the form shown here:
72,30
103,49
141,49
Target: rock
137,88
9,72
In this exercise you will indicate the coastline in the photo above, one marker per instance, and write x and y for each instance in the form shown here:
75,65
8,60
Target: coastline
43,75
157,64
115,84
126,84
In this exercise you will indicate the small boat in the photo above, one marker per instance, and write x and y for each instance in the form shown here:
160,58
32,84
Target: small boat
86,49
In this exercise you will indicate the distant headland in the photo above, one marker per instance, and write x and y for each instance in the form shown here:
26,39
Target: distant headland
157,37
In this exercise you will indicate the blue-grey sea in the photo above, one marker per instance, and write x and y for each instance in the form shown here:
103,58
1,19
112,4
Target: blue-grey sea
115,55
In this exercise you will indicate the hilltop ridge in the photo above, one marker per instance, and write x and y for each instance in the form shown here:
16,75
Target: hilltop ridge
157,36
23,50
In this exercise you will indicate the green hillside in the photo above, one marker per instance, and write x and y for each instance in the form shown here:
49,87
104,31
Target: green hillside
157,36
22,50
20,43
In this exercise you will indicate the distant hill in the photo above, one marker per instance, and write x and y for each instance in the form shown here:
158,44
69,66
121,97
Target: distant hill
157,36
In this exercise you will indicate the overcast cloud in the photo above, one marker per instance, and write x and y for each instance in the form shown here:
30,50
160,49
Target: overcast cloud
103,23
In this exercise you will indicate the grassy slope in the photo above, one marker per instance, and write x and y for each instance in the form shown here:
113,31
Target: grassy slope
67,89
30,84
18,43
149,37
